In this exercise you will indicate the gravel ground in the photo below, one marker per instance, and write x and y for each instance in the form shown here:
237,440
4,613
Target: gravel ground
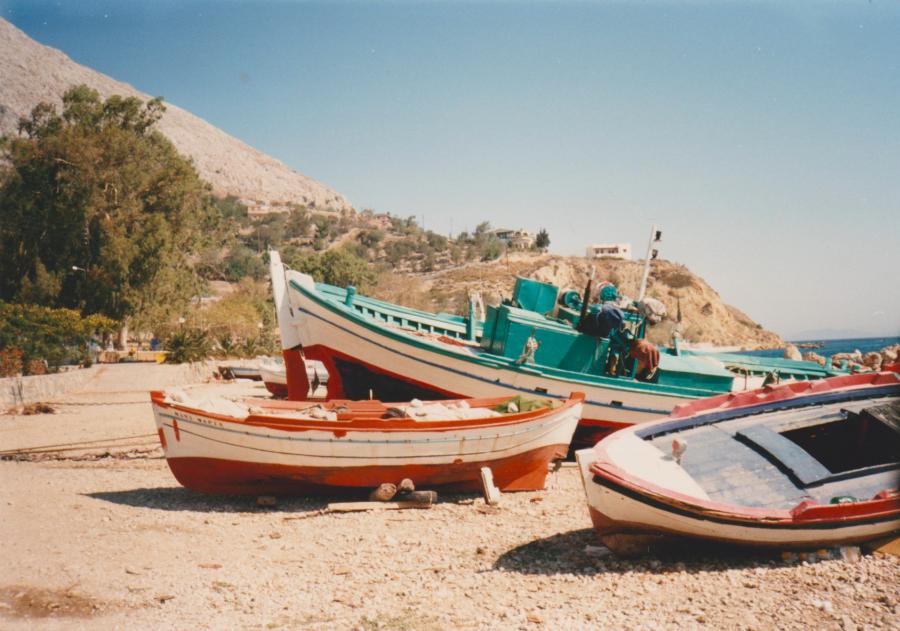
112,541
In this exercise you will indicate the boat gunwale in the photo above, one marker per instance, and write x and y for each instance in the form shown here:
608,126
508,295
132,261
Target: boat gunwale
770,399
499,362
443,320
884,505
805,515
369,423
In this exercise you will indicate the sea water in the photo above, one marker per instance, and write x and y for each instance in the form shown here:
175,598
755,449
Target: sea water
832,347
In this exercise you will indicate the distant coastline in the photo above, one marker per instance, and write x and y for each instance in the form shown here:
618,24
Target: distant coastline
833,347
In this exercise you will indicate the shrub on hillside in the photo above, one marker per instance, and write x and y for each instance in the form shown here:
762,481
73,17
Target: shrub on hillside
298,224
677,278
242,262
370,238
492,250
396,251
231,208
336,267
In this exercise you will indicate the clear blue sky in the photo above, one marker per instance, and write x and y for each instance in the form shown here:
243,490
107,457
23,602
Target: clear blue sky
763,137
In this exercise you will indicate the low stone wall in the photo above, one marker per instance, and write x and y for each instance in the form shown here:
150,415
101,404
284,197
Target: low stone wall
15,391
20,390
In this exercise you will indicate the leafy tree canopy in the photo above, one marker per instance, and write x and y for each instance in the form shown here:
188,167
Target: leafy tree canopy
337,267
55,336
98,211
542,241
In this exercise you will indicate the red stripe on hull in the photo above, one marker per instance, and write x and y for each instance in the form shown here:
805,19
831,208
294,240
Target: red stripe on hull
614,534
522,472
279,390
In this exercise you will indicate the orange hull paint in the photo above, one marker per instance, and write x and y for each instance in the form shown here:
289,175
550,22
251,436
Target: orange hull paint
522,472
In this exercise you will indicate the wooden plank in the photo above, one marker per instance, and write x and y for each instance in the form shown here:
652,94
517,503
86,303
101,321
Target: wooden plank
491,492
784,453
891,547
350,507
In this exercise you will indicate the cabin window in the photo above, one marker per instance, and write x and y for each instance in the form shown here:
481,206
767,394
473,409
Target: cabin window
864,439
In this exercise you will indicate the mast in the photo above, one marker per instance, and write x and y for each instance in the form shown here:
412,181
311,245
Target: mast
655,237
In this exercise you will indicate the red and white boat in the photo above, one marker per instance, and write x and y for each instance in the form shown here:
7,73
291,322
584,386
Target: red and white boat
368,346
807,464
274,377
254,446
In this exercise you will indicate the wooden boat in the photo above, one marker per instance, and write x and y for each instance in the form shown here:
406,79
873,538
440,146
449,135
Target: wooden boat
263,446
370,347
806,465
274,377
240,372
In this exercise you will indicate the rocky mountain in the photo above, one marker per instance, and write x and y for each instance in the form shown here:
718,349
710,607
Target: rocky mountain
31,72
705,318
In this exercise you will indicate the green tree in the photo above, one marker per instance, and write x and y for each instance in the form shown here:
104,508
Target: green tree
436,241
298,223
242,262
98,211
55,336
542,241
231,207
337,267
370,238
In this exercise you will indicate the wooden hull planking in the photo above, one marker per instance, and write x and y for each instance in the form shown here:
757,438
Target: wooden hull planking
214,454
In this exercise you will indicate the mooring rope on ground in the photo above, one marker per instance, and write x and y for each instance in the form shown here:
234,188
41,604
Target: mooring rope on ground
77,403
101,446
74,446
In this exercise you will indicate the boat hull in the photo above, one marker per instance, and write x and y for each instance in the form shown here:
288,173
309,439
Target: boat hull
240,372
275,381
523,472
634,496
618,512
213,454
358,356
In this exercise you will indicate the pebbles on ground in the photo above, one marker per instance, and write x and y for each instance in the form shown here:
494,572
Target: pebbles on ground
118,543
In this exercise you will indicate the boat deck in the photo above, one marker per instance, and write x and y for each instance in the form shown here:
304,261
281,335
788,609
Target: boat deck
746,462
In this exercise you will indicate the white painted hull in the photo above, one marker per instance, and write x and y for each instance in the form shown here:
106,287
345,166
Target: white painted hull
275,375
633,488
432,363
203,437
334,453
637,516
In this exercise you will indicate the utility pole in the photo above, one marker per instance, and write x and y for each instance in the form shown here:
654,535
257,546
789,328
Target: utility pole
655,237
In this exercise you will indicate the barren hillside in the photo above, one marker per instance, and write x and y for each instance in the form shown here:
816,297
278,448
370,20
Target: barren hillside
31,72
704,317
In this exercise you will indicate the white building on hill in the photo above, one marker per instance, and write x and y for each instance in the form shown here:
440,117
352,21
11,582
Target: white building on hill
515,239
610,250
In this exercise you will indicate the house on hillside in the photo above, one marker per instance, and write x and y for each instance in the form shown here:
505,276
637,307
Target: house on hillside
515,239
609,250
257,209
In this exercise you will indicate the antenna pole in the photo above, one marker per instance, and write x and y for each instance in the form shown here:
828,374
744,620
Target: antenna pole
655,237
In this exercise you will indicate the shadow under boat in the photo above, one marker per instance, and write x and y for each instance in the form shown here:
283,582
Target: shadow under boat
176,498
577,552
